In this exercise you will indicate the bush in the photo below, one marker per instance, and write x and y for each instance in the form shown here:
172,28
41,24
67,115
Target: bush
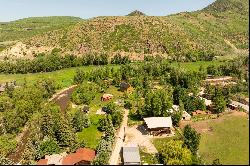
127,104
7,144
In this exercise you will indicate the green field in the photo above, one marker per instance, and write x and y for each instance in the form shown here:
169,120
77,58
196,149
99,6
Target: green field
229,141
194,66
64,77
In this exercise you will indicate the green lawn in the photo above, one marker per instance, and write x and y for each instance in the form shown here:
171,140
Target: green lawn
90,135
64,77
229,141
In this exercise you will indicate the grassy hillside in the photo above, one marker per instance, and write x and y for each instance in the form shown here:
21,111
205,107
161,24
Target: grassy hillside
218,28
29,27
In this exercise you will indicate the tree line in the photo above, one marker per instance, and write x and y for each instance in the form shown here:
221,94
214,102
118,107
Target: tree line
55,61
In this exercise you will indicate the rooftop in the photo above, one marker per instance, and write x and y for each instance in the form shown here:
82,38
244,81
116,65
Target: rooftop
131,154
82,154
157,122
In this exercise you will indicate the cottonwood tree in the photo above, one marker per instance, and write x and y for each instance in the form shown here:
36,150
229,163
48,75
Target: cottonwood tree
191,139
173,153
80,120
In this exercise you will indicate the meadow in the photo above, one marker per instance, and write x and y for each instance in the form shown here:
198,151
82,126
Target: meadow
229,141
64,77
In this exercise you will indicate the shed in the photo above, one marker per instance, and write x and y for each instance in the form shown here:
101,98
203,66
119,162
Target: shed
159,125
125,87
131,155
186,116
106,97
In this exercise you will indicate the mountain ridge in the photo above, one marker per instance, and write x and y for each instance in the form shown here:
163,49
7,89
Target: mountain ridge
181,35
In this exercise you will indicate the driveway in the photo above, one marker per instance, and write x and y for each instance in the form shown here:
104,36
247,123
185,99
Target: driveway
114,159
138,135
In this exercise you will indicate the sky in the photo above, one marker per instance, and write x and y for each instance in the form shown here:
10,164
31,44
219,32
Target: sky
16,9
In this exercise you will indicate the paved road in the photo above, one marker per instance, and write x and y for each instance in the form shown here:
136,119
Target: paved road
119,140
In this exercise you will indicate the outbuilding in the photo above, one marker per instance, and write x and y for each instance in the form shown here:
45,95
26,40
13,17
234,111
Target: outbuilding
159,125
126,87
106,97
186,116
131,155
83,156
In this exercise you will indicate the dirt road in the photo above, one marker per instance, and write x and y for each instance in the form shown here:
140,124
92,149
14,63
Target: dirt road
119,140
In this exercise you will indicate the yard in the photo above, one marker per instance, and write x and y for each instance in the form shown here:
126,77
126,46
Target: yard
228,140
225,138
92,135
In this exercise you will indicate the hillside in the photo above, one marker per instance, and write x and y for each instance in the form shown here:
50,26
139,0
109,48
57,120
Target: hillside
28,27
218,29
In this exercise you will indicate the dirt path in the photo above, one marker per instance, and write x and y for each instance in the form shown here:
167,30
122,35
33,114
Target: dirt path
114,159
61,98
236,50
22,140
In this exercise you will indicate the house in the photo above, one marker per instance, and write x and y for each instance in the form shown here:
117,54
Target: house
55,159
186,116
176,107
82,156
159,125
126,87
106,97
208,103
131,155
